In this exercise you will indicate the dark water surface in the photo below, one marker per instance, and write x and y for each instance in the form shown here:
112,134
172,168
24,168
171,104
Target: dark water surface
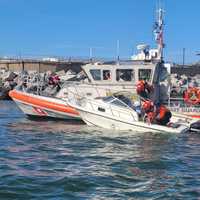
60,160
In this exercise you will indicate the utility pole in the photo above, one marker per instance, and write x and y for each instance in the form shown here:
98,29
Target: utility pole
118,50
183,57
91,54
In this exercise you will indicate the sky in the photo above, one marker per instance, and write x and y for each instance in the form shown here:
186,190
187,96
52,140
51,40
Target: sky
71,28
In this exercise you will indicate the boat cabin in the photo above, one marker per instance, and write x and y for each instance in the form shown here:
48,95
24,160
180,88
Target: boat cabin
105,79
123,73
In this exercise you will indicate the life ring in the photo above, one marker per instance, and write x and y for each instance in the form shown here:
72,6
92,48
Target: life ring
192,96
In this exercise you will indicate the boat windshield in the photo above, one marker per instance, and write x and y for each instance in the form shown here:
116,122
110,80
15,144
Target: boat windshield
119,100
125,100
118,103
108,99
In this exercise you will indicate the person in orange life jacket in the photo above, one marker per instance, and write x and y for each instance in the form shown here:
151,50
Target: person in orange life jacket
143,88
163,115
158,114
54,80
149,111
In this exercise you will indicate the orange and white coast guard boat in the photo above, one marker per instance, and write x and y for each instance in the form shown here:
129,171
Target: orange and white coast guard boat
41,106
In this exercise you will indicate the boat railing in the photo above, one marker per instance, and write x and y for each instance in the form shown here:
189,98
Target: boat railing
37,84
179,102
175,99
26,81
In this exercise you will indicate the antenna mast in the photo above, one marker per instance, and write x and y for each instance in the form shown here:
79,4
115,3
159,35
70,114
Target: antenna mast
158,31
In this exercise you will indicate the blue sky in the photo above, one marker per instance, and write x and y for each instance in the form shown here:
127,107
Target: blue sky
72,27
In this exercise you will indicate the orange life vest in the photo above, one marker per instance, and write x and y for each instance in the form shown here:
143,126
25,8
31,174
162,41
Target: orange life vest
162,110
140,87
147,106
143,86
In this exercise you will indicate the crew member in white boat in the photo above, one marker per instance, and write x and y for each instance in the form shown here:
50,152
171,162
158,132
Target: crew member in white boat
158,114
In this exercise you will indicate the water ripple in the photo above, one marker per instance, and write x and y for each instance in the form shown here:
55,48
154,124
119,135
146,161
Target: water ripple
65,160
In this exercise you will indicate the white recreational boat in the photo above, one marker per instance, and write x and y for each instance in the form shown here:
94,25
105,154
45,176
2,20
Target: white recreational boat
113,113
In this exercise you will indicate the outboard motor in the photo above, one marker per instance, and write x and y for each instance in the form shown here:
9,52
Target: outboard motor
195,127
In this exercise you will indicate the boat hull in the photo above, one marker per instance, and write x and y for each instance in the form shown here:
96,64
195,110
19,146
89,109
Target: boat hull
46,107
193,112
94,119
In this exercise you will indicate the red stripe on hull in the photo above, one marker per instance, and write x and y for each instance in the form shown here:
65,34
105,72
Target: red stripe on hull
42,103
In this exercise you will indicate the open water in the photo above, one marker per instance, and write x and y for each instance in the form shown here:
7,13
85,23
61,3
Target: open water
60,160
